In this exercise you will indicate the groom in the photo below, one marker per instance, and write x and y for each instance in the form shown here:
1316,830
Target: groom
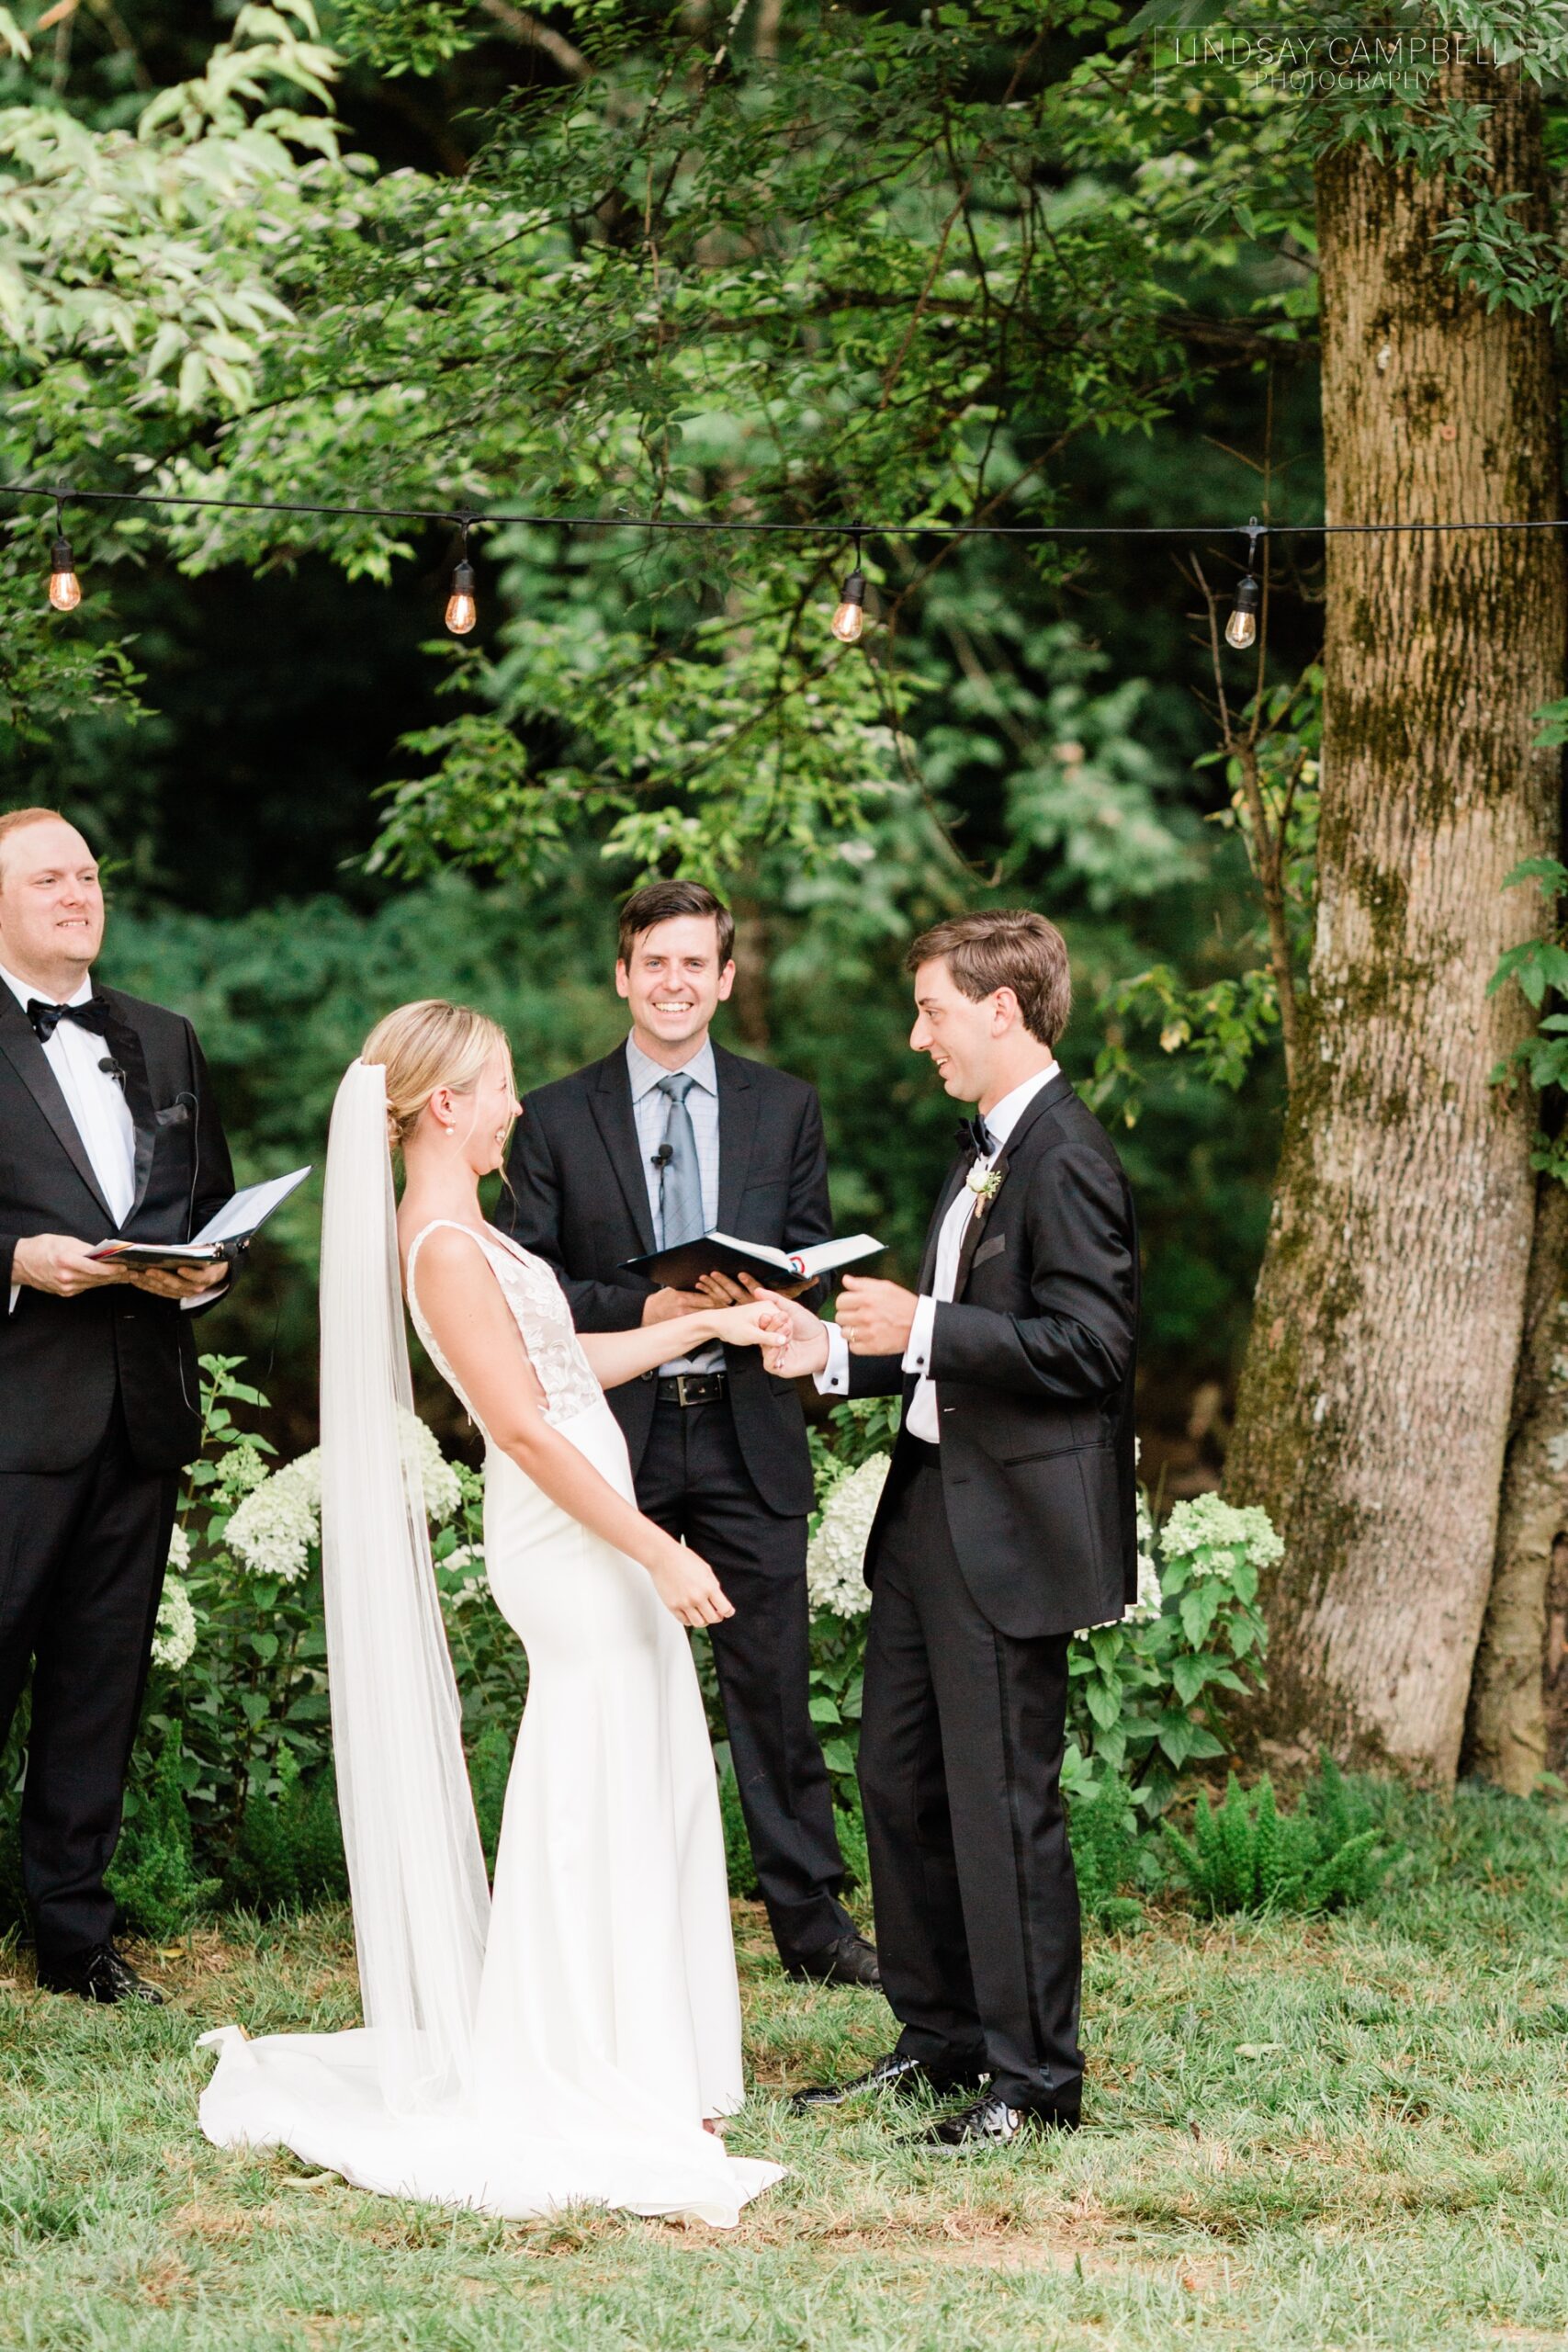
1009,1520
668,1138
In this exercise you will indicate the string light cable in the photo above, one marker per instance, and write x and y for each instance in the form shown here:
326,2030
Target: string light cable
849,618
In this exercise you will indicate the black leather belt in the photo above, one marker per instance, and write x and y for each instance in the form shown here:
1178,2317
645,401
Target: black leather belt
693,1388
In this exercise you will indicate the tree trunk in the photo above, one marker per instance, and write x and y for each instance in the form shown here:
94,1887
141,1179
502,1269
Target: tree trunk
1374,1405
1507,1739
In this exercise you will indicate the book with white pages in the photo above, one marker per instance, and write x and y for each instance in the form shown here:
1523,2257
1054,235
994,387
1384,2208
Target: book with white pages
683,1266
236,1221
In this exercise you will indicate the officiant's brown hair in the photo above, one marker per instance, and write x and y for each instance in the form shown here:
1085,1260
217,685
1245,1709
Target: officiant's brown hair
664,902
1005,947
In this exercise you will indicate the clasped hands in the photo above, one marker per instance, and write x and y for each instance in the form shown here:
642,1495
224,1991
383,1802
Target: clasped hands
64,1267
875,1317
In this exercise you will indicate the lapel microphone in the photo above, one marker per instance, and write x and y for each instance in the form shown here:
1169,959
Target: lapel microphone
663,1156
111,1068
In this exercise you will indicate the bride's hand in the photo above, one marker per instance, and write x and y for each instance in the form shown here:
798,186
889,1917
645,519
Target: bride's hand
759,1326
687,1586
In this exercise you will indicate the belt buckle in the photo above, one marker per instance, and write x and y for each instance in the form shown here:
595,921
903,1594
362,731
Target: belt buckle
680,1380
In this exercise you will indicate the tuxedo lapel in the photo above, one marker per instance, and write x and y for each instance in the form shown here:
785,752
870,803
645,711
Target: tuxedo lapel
1057,1091
125,1044
610,1099
17,1041
955,1175
737,1126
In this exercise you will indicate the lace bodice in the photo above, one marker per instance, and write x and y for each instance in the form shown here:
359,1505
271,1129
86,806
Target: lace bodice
543,1319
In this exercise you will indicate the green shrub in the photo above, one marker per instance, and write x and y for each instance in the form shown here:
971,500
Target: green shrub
737,1843
1244,1855
490,1767
154,1879
288,1851
1107,1854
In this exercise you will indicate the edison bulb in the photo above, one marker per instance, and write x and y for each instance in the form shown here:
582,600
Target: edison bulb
849,618
462,609
64,588
1241,629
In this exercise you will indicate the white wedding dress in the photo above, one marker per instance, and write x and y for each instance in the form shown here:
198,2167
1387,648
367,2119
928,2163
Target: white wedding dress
607,2019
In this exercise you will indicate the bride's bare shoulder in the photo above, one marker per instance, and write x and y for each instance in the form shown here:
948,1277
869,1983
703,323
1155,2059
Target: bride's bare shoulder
448,1255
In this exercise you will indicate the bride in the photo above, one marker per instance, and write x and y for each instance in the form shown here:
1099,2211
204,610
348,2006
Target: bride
568,2039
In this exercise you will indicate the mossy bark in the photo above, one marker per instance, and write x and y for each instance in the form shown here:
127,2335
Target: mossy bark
1374,1405
1506,1741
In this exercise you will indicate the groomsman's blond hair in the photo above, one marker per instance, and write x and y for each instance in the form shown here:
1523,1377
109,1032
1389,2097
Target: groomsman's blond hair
426,1044
1005,947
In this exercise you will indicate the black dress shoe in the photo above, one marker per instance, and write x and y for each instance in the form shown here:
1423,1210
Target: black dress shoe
847,1959
99,1974
899,2077
990,2123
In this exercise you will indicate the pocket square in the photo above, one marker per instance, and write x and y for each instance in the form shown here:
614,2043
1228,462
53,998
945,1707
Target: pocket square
989,1249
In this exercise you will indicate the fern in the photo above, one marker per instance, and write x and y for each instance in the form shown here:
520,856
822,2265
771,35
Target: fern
1247,1856
1104,1833
153,1878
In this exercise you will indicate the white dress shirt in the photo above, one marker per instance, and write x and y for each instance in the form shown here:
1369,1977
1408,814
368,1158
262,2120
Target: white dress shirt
95,1100
651,1112
921,1419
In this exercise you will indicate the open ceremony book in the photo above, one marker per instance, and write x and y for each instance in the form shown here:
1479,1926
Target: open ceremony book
682,1267
235,1221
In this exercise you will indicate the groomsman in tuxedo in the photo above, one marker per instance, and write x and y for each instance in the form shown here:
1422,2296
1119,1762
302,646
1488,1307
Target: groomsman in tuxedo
108,1129
666,1138
1008,1521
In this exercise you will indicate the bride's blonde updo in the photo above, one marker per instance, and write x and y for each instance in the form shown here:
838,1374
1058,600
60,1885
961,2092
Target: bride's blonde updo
428,1044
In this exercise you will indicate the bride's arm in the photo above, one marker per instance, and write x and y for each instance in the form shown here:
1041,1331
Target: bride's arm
461,1301
616,1356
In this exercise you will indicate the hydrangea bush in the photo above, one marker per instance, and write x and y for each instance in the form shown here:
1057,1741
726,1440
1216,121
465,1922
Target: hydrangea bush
238,1712
1147,1694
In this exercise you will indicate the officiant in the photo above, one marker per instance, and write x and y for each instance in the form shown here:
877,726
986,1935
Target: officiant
108,1129
667,1138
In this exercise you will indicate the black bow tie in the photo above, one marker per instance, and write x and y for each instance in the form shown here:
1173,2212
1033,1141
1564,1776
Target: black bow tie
45,1018
975,1136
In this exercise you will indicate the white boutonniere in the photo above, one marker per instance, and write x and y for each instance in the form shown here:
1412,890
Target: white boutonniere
985,1183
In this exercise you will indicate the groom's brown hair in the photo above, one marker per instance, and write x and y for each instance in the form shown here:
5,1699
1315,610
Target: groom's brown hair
1005,947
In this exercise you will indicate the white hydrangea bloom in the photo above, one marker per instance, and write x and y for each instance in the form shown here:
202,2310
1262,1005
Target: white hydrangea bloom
443,1489
1205,1524
466,1555
275,1527
1149,1600
835,1563
243,1469
174,1633
179,1549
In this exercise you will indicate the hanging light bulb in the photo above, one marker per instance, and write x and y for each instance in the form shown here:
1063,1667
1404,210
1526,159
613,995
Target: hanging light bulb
462,608
1241,629
849,618
64,588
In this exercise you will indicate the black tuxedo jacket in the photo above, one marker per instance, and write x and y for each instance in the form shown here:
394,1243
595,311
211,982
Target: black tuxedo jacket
61,1360
1033,1364
579,1201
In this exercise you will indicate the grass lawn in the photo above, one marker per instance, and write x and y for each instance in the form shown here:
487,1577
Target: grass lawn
1341,2134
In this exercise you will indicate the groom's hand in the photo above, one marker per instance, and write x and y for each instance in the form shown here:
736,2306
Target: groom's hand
802,1346
876,1317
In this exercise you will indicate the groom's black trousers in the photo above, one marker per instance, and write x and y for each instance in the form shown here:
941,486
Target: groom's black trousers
693,1481
962,1738
82,1558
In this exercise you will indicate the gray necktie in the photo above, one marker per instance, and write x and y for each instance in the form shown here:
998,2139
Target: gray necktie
681,1215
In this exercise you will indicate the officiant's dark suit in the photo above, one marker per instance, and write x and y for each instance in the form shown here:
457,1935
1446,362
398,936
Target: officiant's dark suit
990,1547
99,1409
721,1460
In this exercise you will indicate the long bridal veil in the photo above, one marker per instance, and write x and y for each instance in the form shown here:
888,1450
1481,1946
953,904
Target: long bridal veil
416,1870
